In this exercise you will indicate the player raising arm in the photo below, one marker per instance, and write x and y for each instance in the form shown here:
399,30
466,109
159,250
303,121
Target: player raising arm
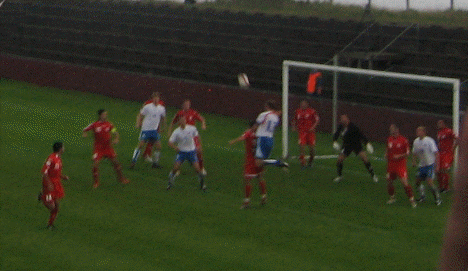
447,143
182,141
52,188
305,122
152,121
352,142
103,131
251,170
397,151
425,150
191,118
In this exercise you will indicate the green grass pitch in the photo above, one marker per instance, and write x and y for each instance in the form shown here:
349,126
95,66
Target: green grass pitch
309,223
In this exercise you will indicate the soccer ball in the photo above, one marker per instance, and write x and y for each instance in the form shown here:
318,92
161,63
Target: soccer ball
243,80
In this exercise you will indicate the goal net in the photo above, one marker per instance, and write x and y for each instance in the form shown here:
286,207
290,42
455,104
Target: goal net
355,82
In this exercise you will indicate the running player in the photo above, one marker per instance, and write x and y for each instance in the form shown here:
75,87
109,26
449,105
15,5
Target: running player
305,122
397,151
182,141
447,143
251,170
191,118
52,188
103,131
151,119
352,142
425,150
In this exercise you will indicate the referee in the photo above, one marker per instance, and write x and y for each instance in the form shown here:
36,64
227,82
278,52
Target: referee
352,142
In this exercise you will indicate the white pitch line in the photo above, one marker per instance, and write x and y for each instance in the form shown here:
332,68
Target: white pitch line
1,4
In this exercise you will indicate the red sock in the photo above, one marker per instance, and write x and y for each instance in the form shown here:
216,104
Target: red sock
302,159
148,149
263,189
390,188
248,190
53,215
409,191
200,159
96,174
118,171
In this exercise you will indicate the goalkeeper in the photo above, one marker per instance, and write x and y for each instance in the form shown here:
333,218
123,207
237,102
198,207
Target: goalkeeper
352,142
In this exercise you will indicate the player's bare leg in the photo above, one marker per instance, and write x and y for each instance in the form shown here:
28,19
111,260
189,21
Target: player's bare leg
302,155
172,175
368,165
339,167
311,155
201,176
434,190
443,179
420,187
263,189
118,171
157,154
200,159
96,173
390,190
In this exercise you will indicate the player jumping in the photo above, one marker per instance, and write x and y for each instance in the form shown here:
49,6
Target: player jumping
52,188
305,122
151,119
182,141
352,142
397,151
103,131
251,170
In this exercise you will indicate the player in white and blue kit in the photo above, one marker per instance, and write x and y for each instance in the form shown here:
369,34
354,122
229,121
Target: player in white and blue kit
426,152
266,125
182,140
151,119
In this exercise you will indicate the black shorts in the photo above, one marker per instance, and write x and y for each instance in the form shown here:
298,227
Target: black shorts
347,150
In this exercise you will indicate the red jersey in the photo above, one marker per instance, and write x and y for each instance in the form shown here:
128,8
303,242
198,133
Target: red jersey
250,142
102,134
446,139
53,169
397,146
305,119
151,101
190,115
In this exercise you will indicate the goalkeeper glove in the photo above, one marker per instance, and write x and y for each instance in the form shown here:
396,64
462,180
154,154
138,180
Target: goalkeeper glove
336,146
369,148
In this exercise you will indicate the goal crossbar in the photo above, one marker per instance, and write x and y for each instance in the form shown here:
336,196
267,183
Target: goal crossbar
338,69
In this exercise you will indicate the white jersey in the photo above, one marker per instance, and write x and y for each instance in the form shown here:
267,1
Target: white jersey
267,122
425,149
152,116
183,138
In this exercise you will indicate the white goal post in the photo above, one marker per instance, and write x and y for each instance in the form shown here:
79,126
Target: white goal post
287,64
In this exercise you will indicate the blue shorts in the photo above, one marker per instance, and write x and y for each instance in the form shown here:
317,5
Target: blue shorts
190,156
426,172
150,135
264,147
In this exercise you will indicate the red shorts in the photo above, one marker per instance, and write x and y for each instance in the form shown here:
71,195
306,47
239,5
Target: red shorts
251,170
307,138
445,160
397,170
55,194
104,153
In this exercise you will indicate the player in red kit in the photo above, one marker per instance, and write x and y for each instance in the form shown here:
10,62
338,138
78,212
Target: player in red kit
251,170
447,141
52,189
305,122
103,131
147,154
192,117
398,150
